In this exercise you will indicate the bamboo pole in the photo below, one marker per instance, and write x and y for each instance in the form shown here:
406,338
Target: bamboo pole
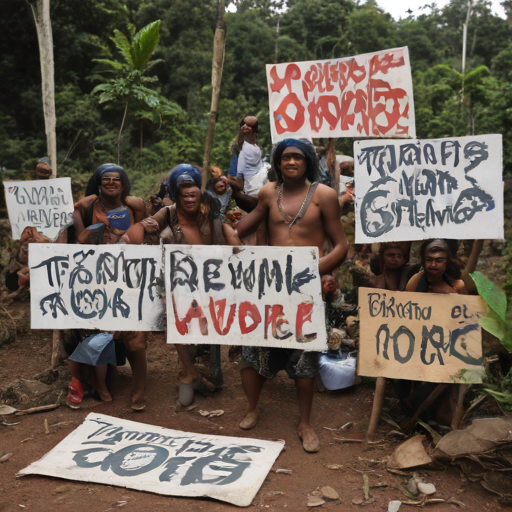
378,402
41,12
219,44
334,169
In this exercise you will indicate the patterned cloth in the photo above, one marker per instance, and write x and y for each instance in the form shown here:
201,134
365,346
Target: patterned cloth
269,361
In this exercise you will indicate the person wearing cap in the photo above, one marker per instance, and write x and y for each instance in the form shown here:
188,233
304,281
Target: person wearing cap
193,219
299,212
98,200
102,218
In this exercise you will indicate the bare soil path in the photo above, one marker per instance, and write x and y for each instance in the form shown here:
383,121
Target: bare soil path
30,355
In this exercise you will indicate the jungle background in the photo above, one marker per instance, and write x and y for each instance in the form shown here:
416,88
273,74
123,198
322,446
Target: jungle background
166,124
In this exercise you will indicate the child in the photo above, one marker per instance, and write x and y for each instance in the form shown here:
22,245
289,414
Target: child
89,362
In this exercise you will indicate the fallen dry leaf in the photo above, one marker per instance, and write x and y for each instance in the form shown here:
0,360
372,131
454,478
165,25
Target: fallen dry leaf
315,501
6,457
329,493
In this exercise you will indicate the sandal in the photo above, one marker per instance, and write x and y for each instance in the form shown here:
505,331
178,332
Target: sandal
75,395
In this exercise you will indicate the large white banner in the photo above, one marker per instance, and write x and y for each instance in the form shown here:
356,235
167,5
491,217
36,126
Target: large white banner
260,296
46,205
114,451
108,287
369,95
420,189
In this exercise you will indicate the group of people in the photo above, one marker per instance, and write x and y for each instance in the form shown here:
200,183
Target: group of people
293,209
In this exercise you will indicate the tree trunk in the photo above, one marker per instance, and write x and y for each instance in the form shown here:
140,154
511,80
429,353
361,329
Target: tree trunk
217,65
41,12
121,133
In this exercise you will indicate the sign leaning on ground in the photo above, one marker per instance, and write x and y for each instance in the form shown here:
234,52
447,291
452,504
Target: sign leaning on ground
427,337
109,287
46,205
124,453
420,189
259,296
369,95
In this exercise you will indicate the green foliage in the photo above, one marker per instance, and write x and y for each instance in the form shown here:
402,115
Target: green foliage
496,320
161,71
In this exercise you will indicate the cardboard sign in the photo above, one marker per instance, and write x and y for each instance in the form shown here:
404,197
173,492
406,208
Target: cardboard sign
113,451
420,189
258,296
108,287
428,337
46,205
368,95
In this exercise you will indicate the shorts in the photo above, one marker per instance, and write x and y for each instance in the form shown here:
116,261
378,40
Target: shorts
268,361
133,340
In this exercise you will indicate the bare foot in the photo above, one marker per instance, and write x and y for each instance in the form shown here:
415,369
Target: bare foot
250,420
138,404
100,389
310,441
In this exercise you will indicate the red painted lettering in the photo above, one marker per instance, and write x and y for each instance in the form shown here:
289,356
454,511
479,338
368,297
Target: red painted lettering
250,310
292,124
292,73
217,309
274,315
304,312
194,311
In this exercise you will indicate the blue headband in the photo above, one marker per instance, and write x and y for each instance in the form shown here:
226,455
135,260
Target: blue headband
181,174
303,144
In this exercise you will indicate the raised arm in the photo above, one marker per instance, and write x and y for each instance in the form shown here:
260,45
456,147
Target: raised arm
330,209
249,224
135,234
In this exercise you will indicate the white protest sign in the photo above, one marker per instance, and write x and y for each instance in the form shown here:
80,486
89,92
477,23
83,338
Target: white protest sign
256,296
369,95
108,287
420,189
427,337
114,451
46,205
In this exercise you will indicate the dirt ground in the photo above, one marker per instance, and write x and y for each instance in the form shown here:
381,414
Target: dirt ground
30,355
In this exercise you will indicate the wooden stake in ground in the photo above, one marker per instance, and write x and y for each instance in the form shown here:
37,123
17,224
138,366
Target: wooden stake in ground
219,45
378,402
41,12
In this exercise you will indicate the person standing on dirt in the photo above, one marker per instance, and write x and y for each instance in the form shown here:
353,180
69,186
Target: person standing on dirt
102,218
299,212
193,219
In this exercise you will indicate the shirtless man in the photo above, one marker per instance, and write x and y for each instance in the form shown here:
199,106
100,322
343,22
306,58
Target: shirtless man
191,220
298,214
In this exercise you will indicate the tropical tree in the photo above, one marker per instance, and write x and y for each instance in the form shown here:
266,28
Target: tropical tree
128,85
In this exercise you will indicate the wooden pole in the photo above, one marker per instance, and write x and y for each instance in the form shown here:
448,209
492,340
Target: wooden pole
41,12
219,44
378,402
334,169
